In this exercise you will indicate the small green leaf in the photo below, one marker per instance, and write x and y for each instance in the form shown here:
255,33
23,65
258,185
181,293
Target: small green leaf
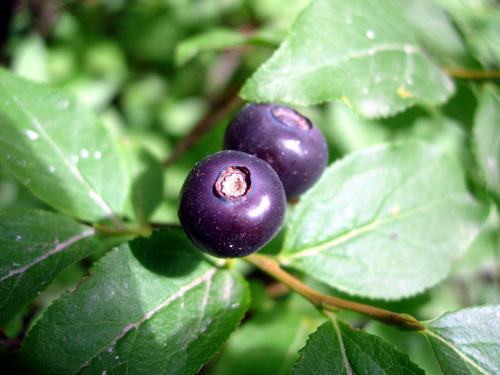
482,35
59,150
467,341
216,39
336,348
29,58
487,139
35,247
386,222
146,172
155,306
360,52
479,23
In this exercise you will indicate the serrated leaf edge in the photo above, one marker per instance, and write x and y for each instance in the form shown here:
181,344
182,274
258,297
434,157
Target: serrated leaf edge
372,51
429,332
291,352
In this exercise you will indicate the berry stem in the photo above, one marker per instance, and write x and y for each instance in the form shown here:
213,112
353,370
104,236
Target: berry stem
322,301
144,231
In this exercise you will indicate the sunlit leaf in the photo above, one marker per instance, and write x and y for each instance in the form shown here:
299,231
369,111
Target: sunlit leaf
467,342
59,150
357,51
385,222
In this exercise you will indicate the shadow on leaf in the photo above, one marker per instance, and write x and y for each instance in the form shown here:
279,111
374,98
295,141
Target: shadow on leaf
167,252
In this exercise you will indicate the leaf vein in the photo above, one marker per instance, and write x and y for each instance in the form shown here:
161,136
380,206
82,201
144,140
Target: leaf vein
44,256
345,360
315,250
206,277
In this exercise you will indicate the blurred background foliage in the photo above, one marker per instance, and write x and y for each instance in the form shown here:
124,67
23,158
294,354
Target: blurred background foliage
163,75
119,57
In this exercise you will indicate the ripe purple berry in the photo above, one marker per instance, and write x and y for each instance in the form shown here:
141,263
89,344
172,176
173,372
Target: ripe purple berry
232,204
285,139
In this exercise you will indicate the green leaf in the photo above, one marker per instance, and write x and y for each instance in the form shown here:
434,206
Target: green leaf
217,39
29,58
482,35
278,12
428,20
155,306
360,52
59,150
386,222
416,346
479,23
487,139
35,247
335,348
146,191
467,341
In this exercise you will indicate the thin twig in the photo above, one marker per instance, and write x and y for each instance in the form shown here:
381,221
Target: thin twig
220,109
164,226
402,321
465,73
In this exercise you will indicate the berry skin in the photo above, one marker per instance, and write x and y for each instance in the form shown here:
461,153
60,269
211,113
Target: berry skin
231,204
288,141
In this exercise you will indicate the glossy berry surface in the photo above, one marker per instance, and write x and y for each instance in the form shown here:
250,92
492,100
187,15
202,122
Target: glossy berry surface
285,139
231,204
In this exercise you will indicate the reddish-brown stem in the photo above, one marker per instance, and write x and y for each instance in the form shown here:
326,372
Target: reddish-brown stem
322,301
220,109
465,73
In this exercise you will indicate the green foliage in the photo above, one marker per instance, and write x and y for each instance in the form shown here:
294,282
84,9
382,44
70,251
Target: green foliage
168,305
269,343
336,348
374,215
487,138
105,107
35,248
360,52
467,341
60,151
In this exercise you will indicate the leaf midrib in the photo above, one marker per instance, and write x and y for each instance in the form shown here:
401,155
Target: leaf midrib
206,277
59,247
345,360
354,232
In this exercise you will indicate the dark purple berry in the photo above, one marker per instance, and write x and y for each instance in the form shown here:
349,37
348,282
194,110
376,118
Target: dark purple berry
288,141
232,204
